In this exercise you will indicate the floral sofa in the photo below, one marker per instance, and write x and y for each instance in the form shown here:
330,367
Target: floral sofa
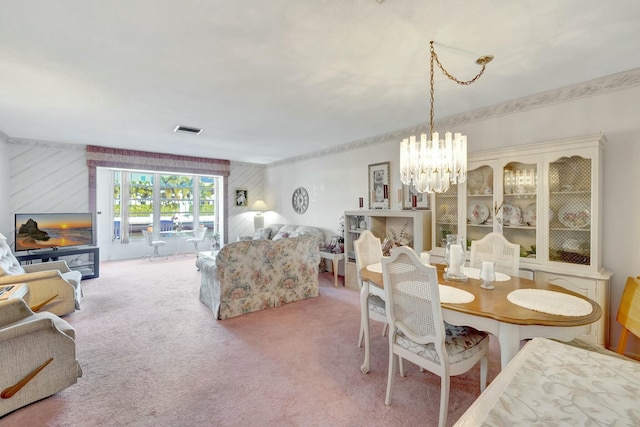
252,275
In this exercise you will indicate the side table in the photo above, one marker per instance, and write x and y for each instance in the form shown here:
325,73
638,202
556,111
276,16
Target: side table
17,290
335,259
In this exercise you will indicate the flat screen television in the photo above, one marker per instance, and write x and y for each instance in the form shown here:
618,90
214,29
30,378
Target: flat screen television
53,230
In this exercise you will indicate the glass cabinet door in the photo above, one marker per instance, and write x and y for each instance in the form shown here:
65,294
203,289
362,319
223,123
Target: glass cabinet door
519,210
479,215
570,210
446,215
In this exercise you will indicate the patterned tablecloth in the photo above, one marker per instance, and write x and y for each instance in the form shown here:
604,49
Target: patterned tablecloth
550,383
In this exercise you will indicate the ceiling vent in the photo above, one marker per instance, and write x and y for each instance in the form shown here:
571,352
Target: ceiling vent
187,129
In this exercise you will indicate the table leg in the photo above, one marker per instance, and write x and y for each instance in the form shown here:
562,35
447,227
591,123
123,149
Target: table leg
509,339
335,272
364,320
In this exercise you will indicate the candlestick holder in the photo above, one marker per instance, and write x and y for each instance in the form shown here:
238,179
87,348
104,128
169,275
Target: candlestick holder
487,275
454,257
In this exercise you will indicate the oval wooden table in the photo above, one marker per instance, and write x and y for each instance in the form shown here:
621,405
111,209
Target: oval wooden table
492,312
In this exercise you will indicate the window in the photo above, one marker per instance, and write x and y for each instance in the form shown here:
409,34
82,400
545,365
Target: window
164,202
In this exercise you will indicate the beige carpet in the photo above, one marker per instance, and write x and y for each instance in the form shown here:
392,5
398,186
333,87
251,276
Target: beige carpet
153,355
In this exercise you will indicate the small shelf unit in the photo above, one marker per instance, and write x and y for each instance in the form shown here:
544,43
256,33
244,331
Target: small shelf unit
85,259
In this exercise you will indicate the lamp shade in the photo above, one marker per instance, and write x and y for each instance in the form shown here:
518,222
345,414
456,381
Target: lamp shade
259,205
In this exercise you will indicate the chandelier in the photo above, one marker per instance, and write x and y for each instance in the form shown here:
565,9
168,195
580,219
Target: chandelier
433,165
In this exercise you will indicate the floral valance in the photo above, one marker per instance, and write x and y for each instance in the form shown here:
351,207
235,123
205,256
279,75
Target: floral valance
143,160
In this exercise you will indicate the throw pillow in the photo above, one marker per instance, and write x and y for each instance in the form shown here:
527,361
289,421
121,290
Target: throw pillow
285,231
262,234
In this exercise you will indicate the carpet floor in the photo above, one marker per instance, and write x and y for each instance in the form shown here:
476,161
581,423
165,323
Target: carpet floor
153,355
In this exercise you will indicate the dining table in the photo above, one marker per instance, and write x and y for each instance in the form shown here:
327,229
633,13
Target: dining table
492,310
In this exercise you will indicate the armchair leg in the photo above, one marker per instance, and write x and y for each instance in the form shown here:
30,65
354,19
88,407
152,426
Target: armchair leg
11,390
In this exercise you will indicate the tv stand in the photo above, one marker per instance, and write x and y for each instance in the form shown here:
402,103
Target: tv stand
85,259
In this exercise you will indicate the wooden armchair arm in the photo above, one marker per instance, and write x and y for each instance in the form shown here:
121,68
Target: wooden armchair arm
10,391
36,308
30,277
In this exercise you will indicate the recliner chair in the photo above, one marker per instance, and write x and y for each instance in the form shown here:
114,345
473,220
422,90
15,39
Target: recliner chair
51,281
38,355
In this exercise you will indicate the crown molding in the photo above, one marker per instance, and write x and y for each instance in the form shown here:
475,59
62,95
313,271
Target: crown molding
246,164
48,144
602,85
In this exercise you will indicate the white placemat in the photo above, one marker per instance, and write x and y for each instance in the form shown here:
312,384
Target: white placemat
448,294
451,295
474,273
550,302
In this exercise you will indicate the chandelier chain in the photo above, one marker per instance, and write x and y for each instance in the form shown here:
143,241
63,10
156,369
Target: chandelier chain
433,164
483,61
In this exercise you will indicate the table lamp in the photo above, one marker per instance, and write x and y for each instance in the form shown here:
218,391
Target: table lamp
259,206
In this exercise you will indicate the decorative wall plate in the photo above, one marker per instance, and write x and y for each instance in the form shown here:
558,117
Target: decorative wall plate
477,213
575,215
300,200
511,214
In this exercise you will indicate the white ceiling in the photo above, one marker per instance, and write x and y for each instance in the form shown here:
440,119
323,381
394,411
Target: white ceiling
269,80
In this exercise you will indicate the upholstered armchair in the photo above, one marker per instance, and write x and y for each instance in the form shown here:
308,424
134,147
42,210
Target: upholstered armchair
53,284
38,355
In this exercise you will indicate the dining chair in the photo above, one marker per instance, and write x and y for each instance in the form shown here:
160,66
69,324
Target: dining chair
198,237
495,248
155,244
417,331
629,312
368,251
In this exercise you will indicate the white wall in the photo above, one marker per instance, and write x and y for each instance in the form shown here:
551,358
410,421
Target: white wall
6,222
250,177
336,181
45,177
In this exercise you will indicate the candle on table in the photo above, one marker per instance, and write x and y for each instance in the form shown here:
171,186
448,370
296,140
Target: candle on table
425,257
454,259
487,271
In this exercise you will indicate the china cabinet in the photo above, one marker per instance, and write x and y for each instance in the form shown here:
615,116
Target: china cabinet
408,227
545,197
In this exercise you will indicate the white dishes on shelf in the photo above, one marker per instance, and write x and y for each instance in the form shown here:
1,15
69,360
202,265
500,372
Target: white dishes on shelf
575,215
475,181
529,215
511,214
477,213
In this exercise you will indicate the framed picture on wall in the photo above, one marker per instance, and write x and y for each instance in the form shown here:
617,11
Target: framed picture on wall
421,202
379,180
242,197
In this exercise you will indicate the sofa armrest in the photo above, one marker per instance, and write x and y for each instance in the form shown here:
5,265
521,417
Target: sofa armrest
23,328
12,311
59,265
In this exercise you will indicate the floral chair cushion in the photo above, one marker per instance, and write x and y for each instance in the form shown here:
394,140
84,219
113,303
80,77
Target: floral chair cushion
461,343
